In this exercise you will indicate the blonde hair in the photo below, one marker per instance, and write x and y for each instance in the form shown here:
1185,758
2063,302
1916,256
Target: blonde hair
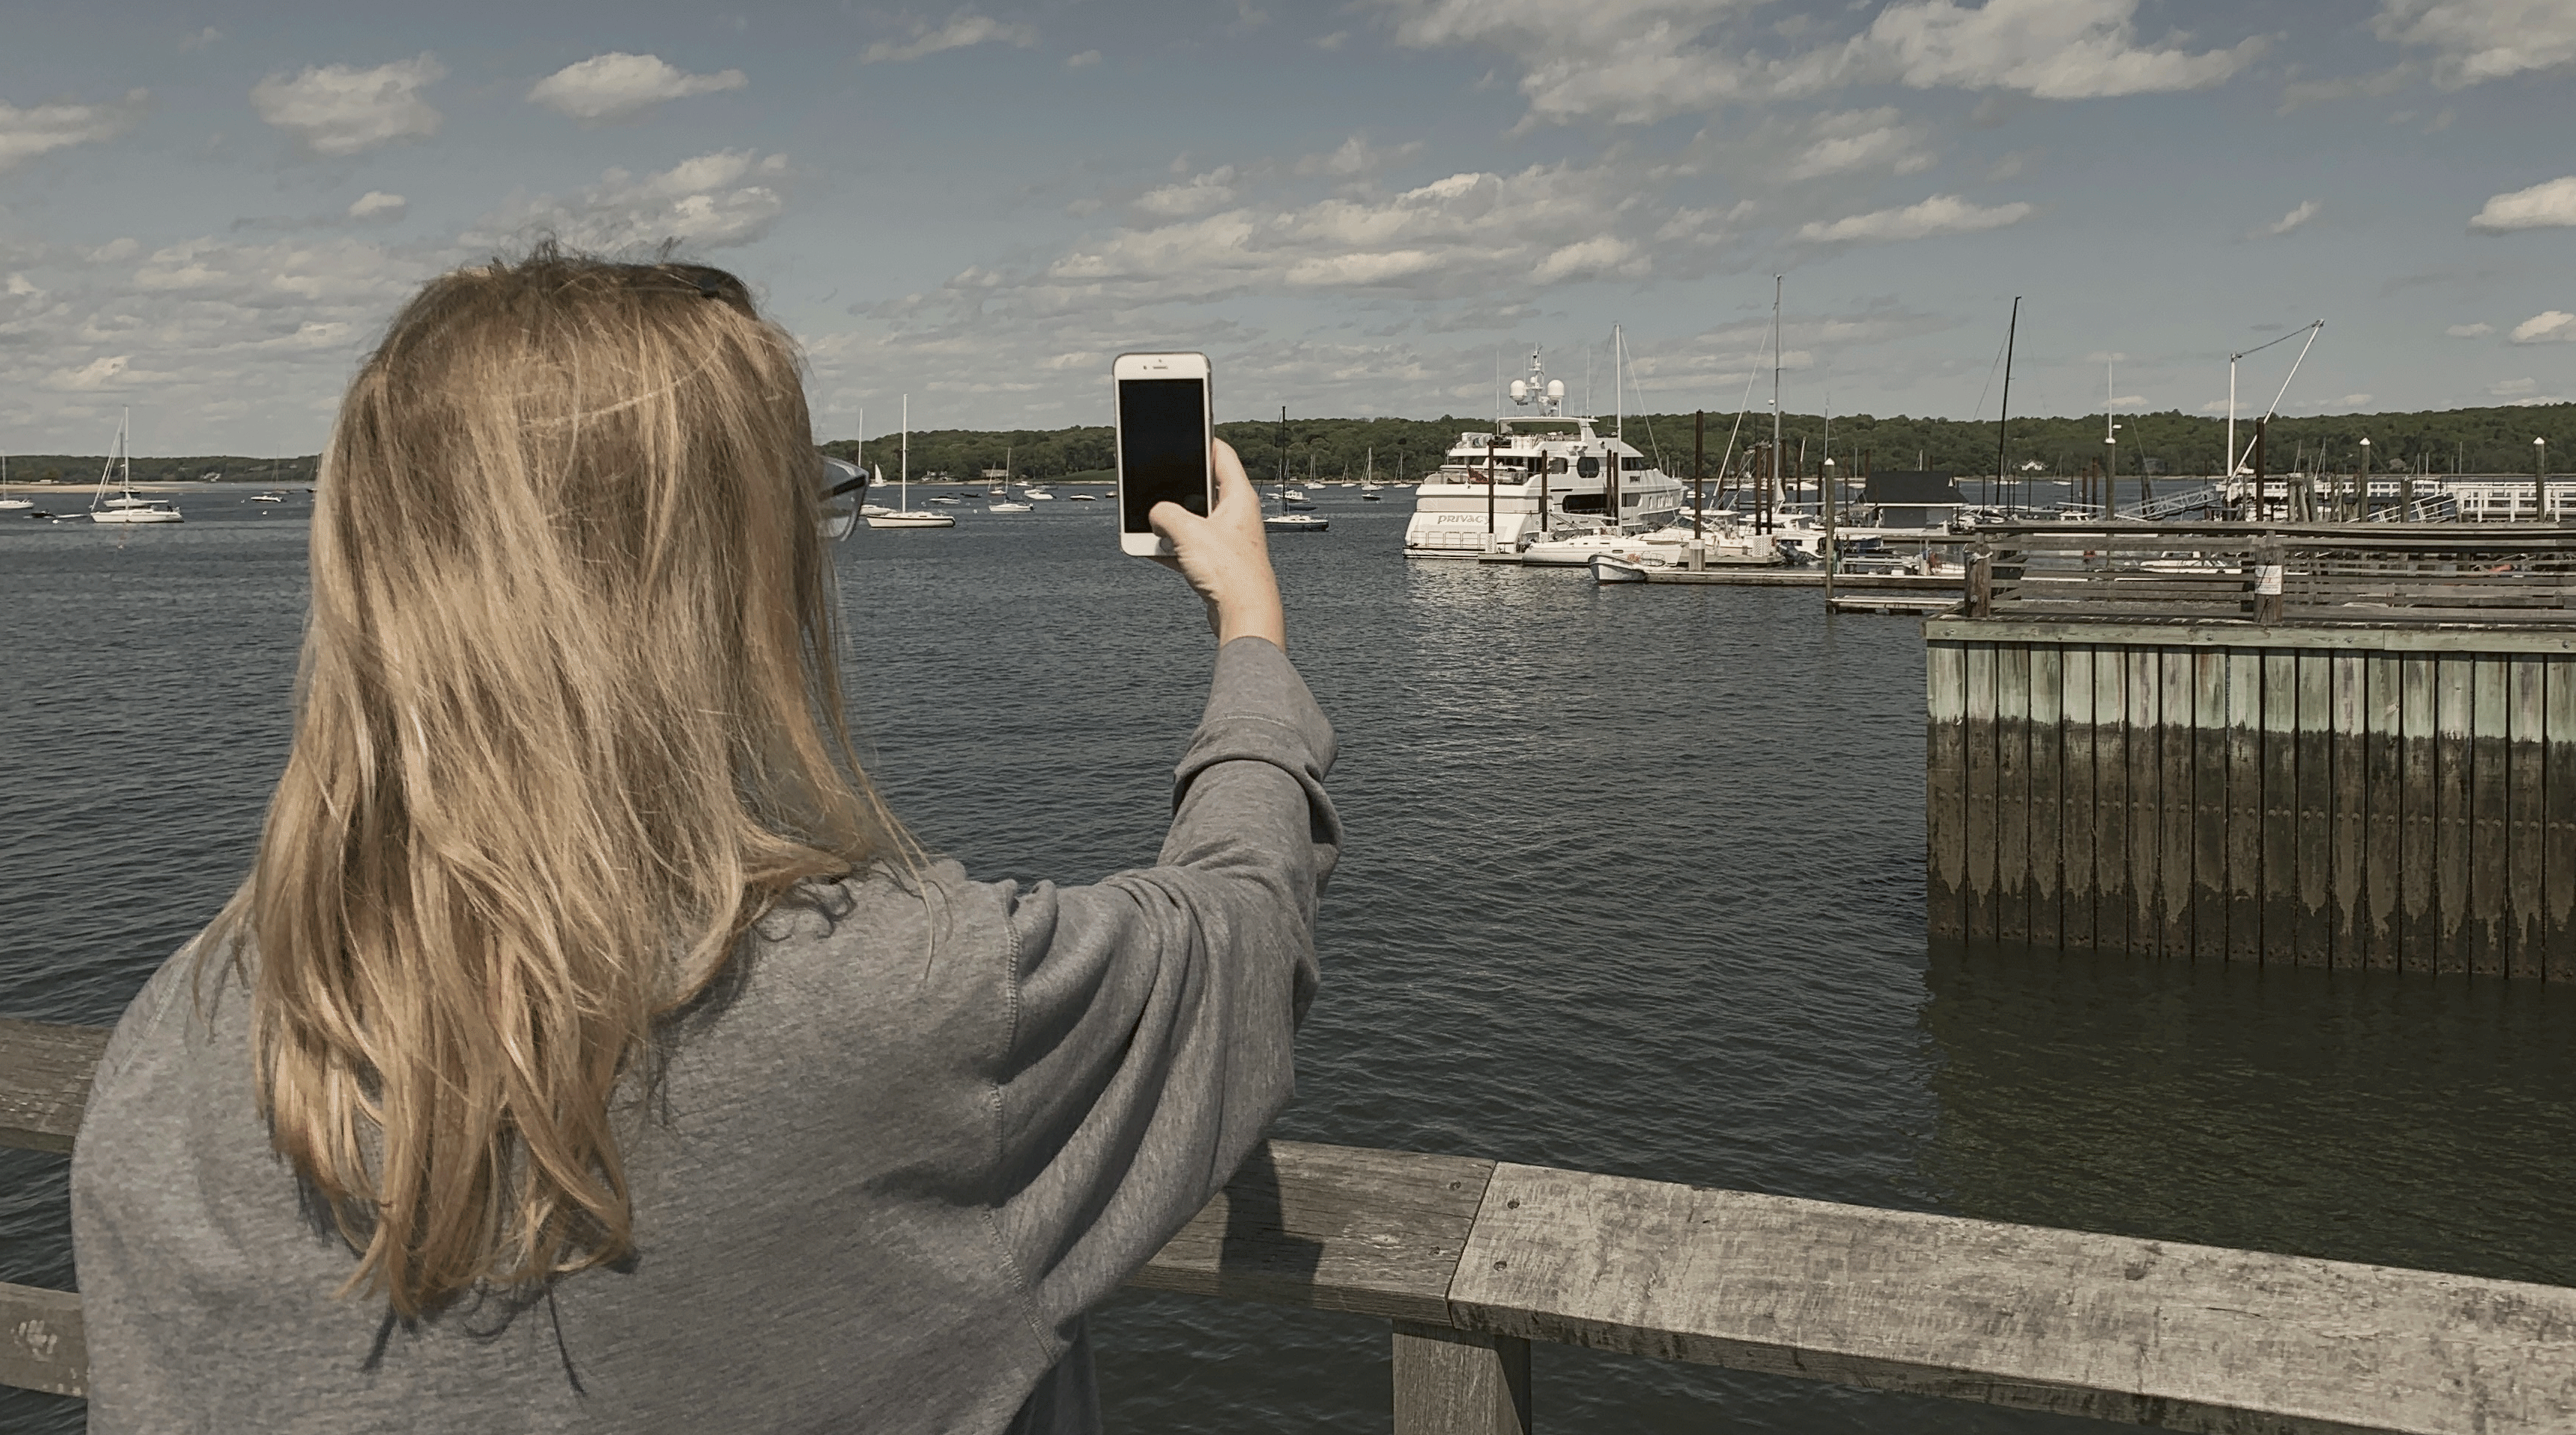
568,722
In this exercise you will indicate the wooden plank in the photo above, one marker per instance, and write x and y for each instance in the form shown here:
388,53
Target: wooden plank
2151,1332
2209,750
1981,792
2078,885
2045,834
42,1343
2419,783
2280,803
2381,925
1330,1227
2558,809
2395,636
2346,754
2174,816
44,1081
2526,755
2314,946
2012,792
2145,680
2451,758
2113,816
2244,805
2482,926
1945,790
1460,1382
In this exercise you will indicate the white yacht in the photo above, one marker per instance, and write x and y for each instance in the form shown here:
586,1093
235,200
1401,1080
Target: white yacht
126,507
904,515
1547,476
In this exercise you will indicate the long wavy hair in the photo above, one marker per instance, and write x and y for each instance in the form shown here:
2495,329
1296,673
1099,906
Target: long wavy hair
567,722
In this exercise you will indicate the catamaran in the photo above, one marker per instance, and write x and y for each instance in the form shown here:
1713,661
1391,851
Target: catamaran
1500,491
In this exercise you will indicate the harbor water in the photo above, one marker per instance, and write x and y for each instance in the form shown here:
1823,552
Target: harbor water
1633,884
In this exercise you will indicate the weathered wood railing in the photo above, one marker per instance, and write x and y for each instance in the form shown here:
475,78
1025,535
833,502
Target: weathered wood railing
2276,573
1471,1260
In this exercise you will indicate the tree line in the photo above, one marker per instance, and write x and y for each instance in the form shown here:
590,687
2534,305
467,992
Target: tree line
2438,441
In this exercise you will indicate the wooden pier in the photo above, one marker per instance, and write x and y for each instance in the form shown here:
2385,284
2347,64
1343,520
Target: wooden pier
1470,1260
2328,745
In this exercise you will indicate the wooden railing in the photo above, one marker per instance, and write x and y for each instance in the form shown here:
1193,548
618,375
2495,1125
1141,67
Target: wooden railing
1471,1260
2382,573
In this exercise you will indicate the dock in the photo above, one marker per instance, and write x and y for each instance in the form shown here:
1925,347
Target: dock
2322,745
1470,1260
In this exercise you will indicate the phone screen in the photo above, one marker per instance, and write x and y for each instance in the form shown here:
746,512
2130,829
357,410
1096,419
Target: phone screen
1162,448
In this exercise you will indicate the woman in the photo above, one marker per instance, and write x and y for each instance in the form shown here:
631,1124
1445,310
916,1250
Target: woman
588,1048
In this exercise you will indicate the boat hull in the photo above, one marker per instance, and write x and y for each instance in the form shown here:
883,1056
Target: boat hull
136,515
911,520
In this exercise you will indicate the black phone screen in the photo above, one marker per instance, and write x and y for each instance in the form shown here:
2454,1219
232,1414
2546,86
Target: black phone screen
1162,448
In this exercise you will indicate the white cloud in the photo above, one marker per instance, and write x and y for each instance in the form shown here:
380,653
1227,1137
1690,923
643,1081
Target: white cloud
2306,211
1638,61
342,110
2543,206
1196,196
2513,388
1084,60
2469,331
2477,40
710,202
963,29
1863,140
1357,158
376,204
37,129
2550,326
2354,401
96,374
1941,214
617,85
200,40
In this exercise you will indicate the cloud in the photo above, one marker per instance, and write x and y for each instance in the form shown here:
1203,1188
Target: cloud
2306,211
2370,86
38,129
1198,195
1357,158
200,40
2550,326
1863,140
1084,60
2543,206
96,374
710,202
617,85
2513,388
1941,214
2469,331
2354,401
2473,41
963,29
376,204
340,110
1638,61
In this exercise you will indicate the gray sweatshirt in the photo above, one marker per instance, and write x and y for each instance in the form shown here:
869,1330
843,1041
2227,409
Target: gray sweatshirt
886,1168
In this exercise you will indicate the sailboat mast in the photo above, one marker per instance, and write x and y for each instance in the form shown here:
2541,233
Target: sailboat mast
2003,416
903,457
1619,382
1772,483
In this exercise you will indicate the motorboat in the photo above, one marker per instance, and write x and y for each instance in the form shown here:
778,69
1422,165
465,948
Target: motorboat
1723,541
1005,505
1535,478
1083,497
1296,523
268,498
1034,495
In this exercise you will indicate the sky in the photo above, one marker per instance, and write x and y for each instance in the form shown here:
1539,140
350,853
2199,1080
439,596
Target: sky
207,215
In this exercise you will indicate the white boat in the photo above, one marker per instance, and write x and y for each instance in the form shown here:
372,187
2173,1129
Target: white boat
1609,569
127,506
903,514
1296,523
1368,480
1500,491
268,498
1082,497
1004,505
1724,542
1035,495
8,504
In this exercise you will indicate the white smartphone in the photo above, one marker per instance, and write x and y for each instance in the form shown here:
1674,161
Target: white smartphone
1165,427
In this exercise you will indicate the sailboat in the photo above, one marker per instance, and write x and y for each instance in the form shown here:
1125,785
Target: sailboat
8,504
904,514
126,507
1000,492
1368,480
1285,521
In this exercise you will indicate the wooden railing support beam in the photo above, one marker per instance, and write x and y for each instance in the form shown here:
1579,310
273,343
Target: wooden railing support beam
1460,1382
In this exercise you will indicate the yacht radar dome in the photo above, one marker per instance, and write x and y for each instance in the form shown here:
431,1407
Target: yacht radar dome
1548,394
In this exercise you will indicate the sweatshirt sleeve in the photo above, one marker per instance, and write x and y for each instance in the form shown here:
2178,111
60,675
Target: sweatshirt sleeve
1154,1012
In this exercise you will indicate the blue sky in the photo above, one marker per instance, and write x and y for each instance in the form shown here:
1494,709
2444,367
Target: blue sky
1353,208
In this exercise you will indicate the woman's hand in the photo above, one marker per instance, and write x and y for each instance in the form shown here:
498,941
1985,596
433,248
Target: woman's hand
1226,555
